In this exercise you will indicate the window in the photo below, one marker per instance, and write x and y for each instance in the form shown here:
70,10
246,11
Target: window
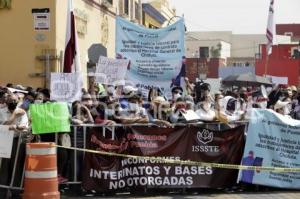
136,11
204,52
126,7
288,34
296,54
152,26
110,1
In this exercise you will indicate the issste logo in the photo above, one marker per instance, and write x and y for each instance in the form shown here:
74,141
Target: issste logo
205,136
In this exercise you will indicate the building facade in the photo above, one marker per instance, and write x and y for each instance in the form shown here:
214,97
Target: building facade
292,30
158,14
33,35
281,63
236,49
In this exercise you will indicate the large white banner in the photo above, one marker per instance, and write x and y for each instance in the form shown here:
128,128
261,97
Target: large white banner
273,140
6,141
111,71
156,55
66,87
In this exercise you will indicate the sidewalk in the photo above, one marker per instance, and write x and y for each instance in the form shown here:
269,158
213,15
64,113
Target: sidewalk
264,195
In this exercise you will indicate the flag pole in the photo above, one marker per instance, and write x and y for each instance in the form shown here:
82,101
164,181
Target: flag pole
270,34
266,65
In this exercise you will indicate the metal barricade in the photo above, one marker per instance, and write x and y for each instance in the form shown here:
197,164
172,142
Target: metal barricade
22,138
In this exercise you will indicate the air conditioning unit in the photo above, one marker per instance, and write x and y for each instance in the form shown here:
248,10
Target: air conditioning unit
106,3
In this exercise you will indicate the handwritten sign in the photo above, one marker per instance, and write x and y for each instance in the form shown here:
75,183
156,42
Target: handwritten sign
50,118
66,87
111,70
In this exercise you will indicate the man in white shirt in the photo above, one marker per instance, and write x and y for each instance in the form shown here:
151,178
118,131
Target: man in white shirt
17,120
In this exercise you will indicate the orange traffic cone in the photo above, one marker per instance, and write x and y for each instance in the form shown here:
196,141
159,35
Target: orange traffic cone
41,172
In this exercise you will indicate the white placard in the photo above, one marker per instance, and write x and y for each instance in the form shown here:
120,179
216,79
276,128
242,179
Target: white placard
111,70
6,141
66,87
190,115
278,80
41,21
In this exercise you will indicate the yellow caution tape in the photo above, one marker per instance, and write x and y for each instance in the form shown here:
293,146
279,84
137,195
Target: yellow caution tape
188,162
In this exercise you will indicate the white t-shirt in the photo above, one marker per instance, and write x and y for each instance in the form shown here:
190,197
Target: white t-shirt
21,120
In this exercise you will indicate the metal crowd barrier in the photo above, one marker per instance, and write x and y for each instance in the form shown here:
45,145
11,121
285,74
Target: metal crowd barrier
10,186
112,128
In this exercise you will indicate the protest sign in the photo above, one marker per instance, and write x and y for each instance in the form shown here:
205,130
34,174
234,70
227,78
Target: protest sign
110,173
273,140
109,70
66,87
156,55
50,118
6,141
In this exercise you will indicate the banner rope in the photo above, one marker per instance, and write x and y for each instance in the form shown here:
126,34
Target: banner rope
188,162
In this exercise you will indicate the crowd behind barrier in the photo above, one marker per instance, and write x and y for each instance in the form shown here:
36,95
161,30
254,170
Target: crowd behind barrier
118,106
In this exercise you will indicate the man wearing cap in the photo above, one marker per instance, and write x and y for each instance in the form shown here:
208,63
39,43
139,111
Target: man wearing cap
177,92
127,92
134,112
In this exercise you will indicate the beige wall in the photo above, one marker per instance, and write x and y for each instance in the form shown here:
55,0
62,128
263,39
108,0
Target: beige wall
192,47
246,45
19,48
150,21
18,44
164,7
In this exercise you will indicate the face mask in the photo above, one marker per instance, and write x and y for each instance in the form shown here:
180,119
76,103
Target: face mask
109,112
176,96
38,101
190,105
12,106
111,90
133,107
263,104
206,106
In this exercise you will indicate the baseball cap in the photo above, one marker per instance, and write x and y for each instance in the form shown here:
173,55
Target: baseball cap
128,89
280,104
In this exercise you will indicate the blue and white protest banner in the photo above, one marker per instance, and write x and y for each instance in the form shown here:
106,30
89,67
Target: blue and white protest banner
156,56
273,140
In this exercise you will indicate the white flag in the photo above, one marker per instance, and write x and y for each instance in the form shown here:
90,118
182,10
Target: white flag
270,28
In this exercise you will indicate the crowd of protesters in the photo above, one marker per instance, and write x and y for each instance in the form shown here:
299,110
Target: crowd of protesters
111,104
